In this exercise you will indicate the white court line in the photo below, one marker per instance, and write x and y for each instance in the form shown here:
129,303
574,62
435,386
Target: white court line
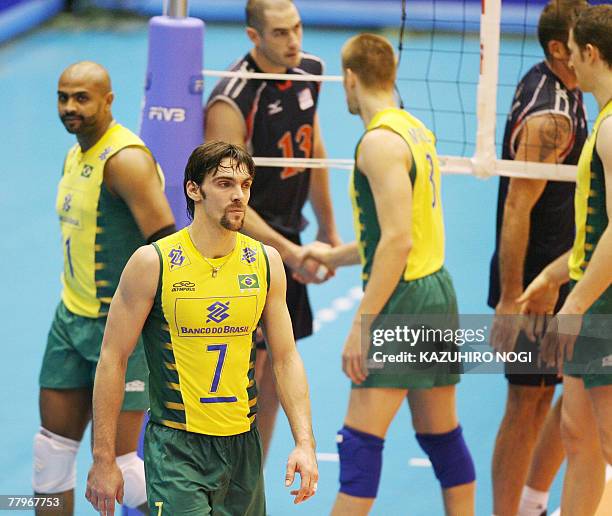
415,462
419,462
339,304
327,457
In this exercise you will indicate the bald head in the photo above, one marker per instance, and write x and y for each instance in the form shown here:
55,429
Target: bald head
256,11
87,73
84,99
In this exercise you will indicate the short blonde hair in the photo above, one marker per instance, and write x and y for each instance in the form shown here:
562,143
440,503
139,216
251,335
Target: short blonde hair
372,59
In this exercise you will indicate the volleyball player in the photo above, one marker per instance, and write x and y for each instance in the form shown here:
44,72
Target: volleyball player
395,189
277,119
535,225
110,201
582,346
199,294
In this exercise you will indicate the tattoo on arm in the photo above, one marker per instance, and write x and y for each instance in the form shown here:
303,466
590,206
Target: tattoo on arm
553,135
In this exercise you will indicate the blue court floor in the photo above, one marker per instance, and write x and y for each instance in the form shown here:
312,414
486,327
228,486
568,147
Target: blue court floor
32,148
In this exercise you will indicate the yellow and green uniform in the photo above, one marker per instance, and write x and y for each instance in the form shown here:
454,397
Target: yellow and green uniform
202,449
427,254
592,359
199,336
99,233
589,202
425,286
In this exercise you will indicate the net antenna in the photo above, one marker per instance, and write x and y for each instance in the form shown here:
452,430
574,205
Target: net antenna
400,49
484,158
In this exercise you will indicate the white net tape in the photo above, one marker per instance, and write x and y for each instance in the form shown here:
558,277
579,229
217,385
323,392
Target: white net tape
448,164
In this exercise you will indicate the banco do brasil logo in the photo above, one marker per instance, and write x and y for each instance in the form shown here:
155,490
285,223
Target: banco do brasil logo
248,255
218,312
177,257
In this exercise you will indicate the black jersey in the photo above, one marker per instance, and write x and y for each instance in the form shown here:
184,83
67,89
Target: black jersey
279,117
552,218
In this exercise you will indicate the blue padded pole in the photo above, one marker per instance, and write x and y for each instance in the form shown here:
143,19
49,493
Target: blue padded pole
172,119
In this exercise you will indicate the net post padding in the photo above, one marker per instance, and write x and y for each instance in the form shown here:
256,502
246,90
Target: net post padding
172,117
484,157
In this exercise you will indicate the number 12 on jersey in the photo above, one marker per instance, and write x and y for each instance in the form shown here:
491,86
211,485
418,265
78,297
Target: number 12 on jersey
214,387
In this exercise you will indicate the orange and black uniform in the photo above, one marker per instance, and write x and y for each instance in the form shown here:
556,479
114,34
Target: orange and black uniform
279,118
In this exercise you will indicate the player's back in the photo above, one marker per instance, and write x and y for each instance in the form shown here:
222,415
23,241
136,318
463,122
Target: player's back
427,252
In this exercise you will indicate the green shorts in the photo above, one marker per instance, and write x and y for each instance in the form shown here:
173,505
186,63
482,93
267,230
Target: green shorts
592,358
431,295
72,354
190,474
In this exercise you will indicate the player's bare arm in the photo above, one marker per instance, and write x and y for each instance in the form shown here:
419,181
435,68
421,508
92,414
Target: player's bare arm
224,123
598,275
385,158
132,175
334,257
319,193
128,311
291,382
543,139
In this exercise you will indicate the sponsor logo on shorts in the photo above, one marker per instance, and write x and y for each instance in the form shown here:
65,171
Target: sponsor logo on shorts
177,257
217,312
135,386
105,153
248,282
87,170
183,286
305,99
249,255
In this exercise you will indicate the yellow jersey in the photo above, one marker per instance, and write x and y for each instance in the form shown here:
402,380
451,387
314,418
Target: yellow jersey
589,202
99,233
198,336
427,253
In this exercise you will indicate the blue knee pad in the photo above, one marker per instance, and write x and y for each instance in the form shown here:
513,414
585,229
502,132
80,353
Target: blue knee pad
360,462
449,456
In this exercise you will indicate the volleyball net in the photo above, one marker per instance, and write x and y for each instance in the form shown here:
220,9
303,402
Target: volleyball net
459,63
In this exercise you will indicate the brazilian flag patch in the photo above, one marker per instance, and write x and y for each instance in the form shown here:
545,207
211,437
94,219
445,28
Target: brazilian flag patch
248,281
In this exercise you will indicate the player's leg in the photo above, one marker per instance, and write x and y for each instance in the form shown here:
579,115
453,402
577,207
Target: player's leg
438,432
548,456
65,410
267,399
601,397
64,415
182,470
129,425
360,447
584,476
526,409
245,494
